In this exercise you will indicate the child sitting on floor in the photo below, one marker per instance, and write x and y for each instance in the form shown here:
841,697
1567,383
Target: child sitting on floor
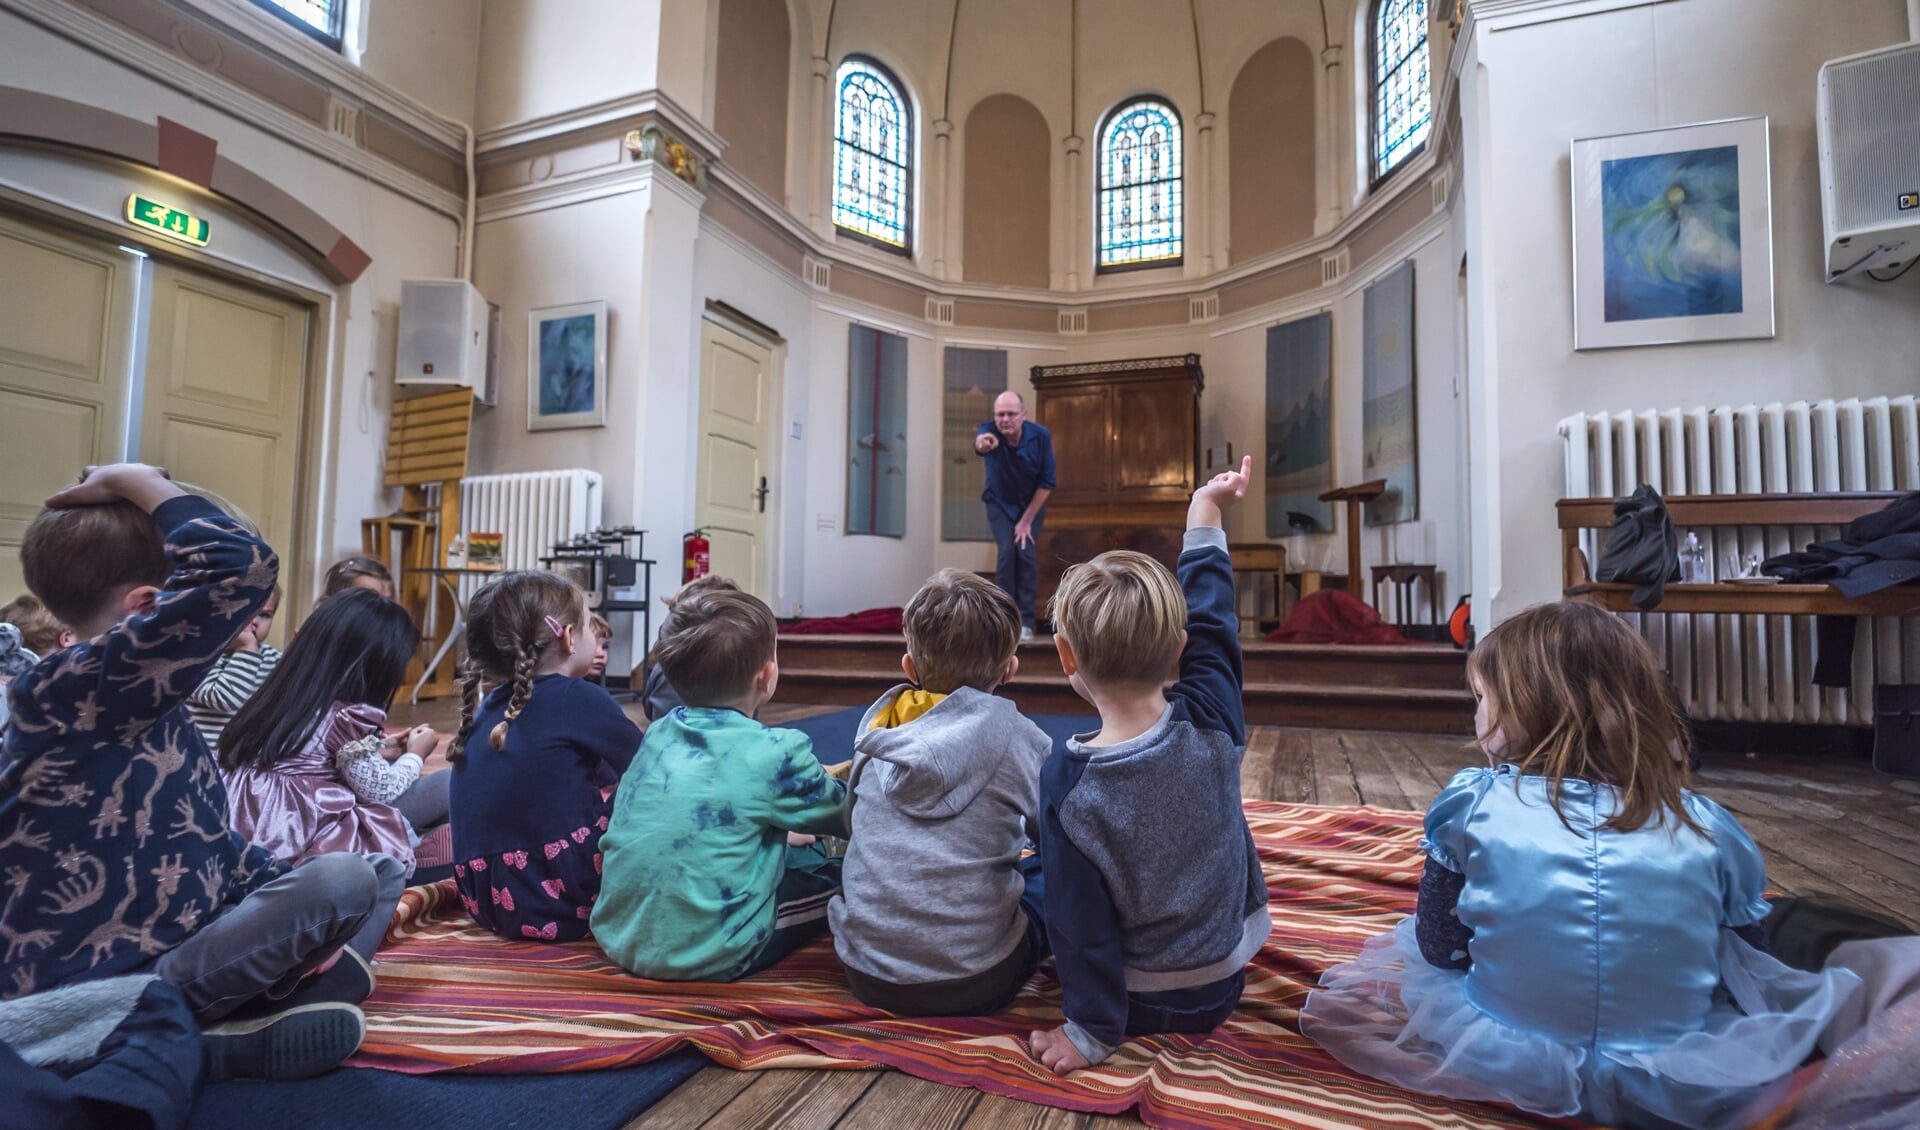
15,659
237,677
657,695
1155,898
602,638
1578,949
357,573
113,821
937,914
40,633
305,758
527,813
704,881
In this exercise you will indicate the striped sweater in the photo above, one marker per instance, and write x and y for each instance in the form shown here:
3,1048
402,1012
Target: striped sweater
235,679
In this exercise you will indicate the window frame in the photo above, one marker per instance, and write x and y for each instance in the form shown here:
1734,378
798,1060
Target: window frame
1375,175
1100,135
907,122
335,40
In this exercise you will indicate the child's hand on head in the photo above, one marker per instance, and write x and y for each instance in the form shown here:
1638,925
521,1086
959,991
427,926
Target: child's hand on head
1055,1052
144,486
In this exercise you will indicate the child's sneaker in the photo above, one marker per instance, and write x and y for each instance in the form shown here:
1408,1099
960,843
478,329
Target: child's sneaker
295,1043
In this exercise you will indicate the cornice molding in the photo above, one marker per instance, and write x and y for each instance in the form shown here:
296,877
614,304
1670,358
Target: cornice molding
632,176
116,43
588,119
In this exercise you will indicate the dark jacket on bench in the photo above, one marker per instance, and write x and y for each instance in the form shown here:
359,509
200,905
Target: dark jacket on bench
1877,551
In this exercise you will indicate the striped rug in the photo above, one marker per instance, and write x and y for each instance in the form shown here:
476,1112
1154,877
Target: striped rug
453,998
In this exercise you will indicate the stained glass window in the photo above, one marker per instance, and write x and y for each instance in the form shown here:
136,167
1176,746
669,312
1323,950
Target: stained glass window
872,156
323,19
1142,205
1402,89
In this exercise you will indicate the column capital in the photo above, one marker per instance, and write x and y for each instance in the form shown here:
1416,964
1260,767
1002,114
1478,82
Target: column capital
1204,122
1073,144
822,66
1330,58
943,128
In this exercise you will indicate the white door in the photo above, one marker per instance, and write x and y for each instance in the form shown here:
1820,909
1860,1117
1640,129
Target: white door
66,335
222,396
731,483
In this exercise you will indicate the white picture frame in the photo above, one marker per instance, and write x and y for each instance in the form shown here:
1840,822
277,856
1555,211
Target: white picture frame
566,370
1673,235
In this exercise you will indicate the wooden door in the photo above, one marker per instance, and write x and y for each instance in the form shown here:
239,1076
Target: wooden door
1153,423
731,483
66,318
1082,441
222,396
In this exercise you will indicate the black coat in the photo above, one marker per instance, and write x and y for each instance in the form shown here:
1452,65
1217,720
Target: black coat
1877,551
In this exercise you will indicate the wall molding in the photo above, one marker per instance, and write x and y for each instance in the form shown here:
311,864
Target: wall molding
136,52
587,119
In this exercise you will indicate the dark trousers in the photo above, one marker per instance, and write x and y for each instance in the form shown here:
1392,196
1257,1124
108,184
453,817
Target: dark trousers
800,904
1017,570
146,1073
1195,1011
981,994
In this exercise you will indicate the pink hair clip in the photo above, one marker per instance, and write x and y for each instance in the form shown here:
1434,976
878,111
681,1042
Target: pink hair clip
555,627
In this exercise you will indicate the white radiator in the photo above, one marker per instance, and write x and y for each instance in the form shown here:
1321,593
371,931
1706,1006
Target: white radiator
533,510
1756,668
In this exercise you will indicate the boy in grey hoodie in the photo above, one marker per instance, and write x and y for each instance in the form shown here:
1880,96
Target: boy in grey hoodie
938,915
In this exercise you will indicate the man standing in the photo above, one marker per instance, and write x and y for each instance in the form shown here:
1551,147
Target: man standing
1019,455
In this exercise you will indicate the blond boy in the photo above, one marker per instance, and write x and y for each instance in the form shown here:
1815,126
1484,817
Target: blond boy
1155,899
937,915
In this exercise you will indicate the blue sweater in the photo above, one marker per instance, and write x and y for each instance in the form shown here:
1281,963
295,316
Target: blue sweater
114,844
1153,883
1015,473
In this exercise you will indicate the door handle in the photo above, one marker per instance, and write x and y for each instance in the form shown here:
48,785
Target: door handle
761,494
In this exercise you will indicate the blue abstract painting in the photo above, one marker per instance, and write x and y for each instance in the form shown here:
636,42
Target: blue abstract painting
1672,223
1300,426
567,354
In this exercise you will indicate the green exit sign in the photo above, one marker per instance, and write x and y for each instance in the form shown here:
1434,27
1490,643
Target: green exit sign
155,216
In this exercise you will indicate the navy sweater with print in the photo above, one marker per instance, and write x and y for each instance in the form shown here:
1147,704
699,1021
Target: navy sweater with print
1153,883
114,844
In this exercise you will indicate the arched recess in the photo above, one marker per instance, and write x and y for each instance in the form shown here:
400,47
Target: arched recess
750,90
1270,160
1007,193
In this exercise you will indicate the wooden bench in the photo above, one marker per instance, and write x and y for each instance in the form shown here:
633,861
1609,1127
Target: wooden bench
1722,510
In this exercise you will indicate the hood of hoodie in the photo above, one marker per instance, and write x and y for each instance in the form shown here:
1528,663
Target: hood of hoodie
934,766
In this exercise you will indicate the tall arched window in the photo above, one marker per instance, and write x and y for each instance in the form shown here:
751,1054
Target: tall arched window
872,156
1142,203
1402,89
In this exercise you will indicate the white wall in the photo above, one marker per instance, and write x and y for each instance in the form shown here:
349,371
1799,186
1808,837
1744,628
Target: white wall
539,57
1641,68
428,50
405,238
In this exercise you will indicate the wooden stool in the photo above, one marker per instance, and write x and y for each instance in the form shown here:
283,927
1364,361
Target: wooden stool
1267,559
1402,578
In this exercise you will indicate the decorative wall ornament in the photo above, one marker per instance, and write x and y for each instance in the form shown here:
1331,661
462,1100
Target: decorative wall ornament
567,366
1673,236
651,143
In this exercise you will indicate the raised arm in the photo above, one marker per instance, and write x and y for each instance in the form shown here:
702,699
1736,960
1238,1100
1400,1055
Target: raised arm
1211,664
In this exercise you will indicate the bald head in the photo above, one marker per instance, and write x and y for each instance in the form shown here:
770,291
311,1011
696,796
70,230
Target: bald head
1009,415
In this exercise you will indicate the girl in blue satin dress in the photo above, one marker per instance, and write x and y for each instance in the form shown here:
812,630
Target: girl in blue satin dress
1587,942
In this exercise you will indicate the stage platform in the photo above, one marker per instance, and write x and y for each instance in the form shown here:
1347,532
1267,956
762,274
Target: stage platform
1417,689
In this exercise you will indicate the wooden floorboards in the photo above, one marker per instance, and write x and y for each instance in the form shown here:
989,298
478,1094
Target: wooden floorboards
1827,827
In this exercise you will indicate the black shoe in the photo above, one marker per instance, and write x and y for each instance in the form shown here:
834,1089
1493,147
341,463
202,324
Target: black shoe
294,1043
350,981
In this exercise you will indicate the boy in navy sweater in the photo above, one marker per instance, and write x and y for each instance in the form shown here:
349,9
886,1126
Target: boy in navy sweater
115,851
1154,899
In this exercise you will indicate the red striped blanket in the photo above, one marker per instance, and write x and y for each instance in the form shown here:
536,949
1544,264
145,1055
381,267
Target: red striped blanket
454,998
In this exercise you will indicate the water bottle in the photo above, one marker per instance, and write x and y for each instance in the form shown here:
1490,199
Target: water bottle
1693,562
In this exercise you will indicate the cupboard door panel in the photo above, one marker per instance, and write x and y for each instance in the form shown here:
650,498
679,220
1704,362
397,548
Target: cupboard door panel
1082,441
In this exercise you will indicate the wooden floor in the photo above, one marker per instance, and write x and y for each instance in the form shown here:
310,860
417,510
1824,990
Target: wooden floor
1827,827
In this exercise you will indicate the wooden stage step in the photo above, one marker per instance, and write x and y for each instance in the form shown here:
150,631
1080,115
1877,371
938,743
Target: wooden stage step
1410,689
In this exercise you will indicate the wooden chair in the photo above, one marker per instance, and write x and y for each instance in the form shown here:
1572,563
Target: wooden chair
1403,578
1268,559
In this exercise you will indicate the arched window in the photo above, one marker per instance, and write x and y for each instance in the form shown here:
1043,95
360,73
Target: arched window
872,156
1402,89
1142,203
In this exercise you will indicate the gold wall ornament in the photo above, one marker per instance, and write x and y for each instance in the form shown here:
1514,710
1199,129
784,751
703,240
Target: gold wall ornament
651,143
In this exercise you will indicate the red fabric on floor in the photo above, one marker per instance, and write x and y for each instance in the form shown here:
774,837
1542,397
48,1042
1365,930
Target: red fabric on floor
873,621
1332,616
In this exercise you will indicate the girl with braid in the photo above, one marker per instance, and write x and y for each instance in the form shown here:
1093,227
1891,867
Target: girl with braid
526,813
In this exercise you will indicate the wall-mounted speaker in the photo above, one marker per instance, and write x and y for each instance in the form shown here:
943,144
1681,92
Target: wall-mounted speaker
1869,126
443,335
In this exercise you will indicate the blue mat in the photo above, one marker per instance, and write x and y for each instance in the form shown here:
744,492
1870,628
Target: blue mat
589,1100
833,734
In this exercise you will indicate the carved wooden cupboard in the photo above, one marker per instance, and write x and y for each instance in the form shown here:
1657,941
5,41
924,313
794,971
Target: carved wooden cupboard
1126,447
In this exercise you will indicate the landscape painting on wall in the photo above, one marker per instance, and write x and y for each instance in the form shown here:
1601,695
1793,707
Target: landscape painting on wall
1672,236
1299,426
972,379
876,432
1389,445
567,366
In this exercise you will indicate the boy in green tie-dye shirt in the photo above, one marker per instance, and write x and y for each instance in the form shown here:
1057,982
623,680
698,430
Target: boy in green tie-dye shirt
710,869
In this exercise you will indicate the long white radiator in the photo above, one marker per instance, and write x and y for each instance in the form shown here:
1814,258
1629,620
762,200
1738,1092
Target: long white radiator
533,510
1757,668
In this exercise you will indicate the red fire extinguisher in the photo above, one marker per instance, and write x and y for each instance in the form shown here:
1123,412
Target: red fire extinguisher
694,558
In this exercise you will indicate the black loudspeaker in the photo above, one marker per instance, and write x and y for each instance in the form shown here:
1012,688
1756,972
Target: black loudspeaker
1896,729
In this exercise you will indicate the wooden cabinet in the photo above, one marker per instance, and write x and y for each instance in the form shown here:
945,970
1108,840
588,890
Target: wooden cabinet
1126,446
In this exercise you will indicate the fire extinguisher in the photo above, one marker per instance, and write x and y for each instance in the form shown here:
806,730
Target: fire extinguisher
694,560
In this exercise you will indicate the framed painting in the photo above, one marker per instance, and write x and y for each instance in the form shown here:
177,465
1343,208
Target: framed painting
1673,236
1299,426
567,366
973,378
876,432
1389,426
